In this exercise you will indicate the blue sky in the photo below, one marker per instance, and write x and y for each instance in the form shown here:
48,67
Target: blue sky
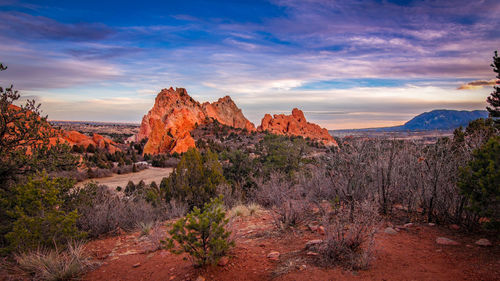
346,64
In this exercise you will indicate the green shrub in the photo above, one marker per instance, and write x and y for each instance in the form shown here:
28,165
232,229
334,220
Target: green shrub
38,214
195,179
480,181
202,234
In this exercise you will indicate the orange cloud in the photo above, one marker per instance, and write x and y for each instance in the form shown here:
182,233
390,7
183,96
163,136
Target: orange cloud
478,84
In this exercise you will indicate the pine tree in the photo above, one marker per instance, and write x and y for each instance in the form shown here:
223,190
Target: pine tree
480,181
202,234
494,98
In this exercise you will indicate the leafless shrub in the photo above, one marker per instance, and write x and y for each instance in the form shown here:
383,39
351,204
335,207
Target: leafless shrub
318,186
349,239
232,196
45,264
176,209
155,236
105,211
285,200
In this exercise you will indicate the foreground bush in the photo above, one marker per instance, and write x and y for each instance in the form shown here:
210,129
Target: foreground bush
38,214
202,234
287,205
103,211
53,264
349,237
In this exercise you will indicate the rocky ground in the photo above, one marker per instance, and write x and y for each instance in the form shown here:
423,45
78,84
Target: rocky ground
410,252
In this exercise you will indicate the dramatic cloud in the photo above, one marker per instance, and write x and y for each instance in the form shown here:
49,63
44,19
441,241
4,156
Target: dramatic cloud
479,84
372,62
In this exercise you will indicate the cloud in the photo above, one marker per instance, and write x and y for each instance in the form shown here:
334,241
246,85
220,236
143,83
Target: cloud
478,84
17,24
269,63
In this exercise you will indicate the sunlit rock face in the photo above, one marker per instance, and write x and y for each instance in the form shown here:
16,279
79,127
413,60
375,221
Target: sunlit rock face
75,138
226,112
175,114
296,125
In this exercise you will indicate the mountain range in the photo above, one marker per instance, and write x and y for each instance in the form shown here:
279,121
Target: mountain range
439,119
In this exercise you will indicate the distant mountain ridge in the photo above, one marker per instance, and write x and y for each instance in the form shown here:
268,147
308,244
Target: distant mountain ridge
439,119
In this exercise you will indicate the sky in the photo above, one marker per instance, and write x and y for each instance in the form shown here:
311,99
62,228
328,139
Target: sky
346,64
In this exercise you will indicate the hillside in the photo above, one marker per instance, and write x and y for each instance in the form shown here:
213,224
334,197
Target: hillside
439,119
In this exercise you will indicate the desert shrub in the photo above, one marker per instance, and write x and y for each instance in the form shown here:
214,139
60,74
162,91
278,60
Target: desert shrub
282,154
202,234
195,179
284,199
231,194
48,264
239,169
163,160
39,216
480,181
349,237
103,211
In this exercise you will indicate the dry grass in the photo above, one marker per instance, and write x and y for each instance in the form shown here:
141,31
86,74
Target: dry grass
245,210
145,227
43,264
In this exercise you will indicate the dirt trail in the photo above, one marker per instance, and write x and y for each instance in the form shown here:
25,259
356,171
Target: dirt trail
148,175
411,254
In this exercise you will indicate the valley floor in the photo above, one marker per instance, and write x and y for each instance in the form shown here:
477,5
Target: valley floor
411,254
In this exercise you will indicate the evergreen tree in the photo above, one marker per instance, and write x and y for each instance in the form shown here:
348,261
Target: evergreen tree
202,234
195,179
480,181
494,98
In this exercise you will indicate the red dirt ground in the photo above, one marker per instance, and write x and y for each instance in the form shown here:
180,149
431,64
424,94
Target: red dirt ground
411,254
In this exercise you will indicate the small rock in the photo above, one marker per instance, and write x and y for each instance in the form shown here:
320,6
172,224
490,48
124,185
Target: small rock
468,246
172,277
390,230
223,261
483,242
446,241
273,256
313,243
136,265
200,278
312,254
432,224
454,227
321,230
408,225
313,227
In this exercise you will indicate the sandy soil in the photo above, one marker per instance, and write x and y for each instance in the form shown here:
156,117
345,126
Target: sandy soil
411,254
147,175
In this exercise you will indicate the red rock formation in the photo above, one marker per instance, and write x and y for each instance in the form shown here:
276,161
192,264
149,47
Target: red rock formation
75,138
169,123
296,125
226,112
